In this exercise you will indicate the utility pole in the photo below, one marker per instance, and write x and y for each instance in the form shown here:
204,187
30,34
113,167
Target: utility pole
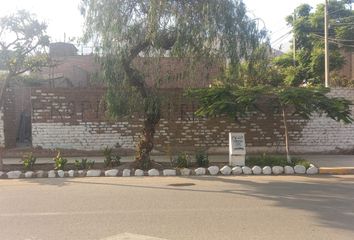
326,44
294,41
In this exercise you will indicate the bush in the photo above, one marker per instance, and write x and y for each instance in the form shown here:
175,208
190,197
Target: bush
60,162
181,161
28,161
302,162
202,159
84,164
269,160
110,159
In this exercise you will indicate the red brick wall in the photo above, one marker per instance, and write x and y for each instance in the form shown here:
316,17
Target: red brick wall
74,118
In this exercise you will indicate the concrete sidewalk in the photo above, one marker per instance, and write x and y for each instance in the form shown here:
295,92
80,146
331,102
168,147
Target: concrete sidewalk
318,160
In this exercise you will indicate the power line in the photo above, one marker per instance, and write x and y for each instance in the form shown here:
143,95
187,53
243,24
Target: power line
333,40
281,37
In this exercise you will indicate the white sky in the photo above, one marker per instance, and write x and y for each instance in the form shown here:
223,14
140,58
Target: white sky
63,16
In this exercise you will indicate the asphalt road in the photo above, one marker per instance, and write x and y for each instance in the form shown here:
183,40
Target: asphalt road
237,207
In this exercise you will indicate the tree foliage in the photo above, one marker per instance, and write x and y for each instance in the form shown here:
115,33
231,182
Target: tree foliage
22,43
125,30
237,102
308,28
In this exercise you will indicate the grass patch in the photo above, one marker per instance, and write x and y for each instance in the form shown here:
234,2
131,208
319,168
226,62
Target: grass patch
271,160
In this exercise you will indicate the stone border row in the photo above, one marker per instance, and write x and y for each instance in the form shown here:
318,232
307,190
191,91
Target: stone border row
212,170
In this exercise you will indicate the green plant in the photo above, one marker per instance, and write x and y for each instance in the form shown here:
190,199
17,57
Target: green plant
110,159
84,164
302,162
271,160
59,162
202,158
181,161
28,161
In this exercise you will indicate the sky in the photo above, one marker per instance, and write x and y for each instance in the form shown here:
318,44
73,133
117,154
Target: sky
63,16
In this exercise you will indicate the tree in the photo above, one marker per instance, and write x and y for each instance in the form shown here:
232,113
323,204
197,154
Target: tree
237,102
128,29
308,28
22,46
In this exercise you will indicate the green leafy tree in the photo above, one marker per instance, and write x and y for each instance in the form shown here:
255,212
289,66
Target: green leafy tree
23,41
125,30
237,102
308,28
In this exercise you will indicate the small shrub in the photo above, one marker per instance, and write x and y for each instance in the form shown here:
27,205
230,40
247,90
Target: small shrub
59,162
266,160
181,161
110,159
28,161
202,159
84,164
302,162
269,160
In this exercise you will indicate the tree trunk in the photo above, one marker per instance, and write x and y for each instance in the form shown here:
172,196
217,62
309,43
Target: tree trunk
146,144
288,157
1,157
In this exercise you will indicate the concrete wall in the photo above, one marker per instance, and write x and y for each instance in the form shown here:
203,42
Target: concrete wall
75,119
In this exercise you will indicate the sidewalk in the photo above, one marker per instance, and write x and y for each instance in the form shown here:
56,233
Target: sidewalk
328,161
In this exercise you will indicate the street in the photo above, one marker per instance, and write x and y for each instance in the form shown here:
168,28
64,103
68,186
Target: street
234,207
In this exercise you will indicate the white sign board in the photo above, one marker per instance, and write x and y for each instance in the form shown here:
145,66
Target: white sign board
237,149
237,144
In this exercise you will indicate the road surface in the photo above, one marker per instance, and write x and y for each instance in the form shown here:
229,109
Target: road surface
152,208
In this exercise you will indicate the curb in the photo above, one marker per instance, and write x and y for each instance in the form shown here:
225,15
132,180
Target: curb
336,170
211,171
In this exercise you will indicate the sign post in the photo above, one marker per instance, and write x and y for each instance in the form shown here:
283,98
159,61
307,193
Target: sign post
237,149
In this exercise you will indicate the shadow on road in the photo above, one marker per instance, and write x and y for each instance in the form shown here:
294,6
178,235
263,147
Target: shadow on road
332,202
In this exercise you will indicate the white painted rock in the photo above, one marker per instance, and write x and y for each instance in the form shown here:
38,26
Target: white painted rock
153,172
111,173
51,174
277,170
29,174
139,172
237,170
246,170
300,169
71,173
40,174
200,171
14,174
81,173
169,172
185,171
289,170
226,170
126,173
213,170
2,174
267,170
61,173
312,170
93,173
257,170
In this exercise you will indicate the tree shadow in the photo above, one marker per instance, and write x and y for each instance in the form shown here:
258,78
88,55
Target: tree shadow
331,202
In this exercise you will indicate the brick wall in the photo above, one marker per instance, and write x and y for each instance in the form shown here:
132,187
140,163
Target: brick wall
74,118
